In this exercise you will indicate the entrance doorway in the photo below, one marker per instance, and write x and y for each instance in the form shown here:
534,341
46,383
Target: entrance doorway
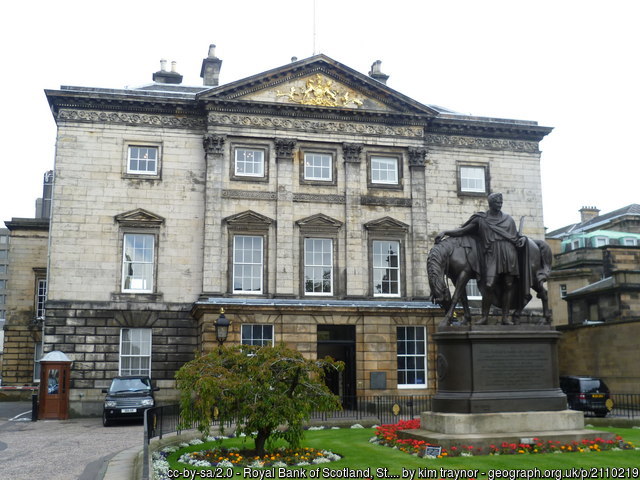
339,343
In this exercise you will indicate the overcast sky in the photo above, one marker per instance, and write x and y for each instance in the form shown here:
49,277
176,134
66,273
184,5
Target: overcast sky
571,65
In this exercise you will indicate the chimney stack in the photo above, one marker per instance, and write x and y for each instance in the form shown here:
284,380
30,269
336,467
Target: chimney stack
210,71
377,74
588,213
163,76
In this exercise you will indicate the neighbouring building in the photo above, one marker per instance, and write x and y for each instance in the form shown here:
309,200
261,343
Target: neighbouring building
595,292
303,200
26,282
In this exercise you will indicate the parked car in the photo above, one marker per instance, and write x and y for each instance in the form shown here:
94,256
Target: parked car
127,398
588,394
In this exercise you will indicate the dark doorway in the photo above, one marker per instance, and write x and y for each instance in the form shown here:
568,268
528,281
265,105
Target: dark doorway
339,343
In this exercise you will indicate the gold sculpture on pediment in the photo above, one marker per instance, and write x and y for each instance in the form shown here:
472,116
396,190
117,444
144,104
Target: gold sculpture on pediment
320,91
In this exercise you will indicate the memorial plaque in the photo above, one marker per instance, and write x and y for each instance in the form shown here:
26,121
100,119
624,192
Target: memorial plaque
512,366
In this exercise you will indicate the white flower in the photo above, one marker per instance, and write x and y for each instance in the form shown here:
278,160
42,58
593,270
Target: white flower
320,427
302,464
357,425
335,428
318,460
225,464
256,464
278,464
196,441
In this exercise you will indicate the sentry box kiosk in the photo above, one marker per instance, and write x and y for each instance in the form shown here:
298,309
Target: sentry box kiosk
55,372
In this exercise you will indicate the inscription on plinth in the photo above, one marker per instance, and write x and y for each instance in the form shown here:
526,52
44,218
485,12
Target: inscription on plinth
511,367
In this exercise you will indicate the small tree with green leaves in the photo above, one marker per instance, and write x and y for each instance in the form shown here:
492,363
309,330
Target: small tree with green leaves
260,389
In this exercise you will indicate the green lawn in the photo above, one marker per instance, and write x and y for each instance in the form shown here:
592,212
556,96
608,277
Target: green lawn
358,453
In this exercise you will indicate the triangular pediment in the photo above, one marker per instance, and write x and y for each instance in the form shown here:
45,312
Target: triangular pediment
387,224
319,221
318,81
248,219
139,218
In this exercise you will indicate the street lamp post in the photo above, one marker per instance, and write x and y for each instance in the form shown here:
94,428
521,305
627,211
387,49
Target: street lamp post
222,328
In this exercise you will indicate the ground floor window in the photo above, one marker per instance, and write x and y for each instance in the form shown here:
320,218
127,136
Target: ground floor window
260,335
135,351
37,355
411,357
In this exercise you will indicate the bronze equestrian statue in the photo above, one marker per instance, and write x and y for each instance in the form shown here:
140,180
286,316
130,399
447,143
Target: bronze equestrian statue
489,248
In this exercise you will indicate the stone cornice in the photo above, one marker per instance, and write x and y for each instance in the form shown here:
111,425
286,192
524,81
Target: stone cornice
385,201
349,128
124,118
458,141
319,198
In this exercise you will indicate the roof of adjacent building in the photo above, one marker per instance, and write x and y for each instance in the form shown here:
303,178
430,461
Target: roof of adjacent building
597,223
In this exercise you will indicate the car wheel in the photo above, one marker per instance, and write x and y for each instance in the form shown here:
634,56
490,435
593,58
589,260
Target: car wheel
105,421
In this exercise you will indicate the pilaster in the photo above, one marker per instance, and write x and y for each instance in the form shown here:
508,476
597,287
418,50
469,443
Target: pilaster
214,261
419,234
284,245
356,258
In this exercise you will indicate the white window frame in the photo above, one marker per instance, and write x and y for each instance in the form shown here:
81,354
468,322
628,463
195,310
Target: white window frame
240,264
630,241
377,172
310,166
139,149
575,244
314,260
600,241
563,290
251,151
417,344
148,278
473,179
378,266
37,355
473,292
144,342
248,330
41,297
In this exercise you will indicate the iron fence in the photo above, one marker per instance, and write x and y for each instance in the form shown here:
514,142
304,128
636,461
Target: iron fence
379,408
626,405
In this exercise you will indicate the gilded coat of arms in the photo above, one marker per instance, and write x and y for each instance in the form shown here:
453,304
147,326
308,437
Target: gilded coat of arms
320,91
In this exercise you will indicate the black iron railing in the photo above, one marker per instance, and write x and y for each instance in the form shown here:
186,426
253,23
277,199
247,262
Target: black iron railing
625,405
383,409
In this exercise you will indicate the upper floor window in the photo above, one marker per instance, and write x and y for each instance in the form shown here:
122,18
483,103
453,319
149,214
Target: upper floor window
472,179
260,335
318,166
41,296
630,241
386,268
3,254
318,266
384,170
4,239
563,290
135,351
3,284
600,241
143,160
473,292
3,268
575,244
249,162
247,264
138,259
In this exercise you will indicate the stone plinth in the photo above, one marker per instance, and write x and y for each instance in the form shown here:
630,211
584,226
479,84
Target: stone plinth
481,430
495,368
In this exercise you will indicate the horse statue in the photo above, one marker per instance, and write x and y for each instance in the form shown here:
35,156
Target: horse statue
459,259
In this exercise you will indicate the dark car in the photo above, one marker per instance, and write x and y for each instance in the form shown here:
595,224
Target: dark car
127,398
588,394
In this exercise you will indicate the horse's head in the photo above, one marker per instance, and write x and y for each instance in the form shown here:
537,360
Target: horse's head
442,298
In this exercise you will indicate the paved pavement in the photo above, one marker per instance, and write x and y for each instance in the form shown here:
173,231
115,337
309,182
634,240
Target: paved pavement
59,449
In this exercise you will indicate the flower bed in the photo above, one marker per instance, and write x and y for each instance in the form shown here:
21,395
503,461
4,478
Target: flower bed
387,435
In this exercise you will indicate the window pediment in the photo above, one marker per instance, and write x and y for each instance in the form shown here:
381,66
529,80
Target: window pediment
319,222
139,218
248,220
386,224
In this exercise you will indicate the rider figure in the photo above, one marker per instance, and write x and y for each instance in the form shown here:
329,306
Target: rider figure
498,238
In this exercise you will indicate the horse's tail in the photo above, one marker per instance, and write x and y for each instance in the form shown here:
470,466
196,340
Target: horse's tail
436,270
546,259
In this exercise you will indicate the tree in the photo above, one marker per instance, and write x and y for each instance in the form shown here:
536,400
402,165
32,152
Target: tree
258,388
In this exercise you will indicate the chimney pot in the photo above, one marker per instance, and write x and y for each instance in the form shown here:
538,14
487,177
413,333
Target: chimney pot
163,65
173,66
167,77
294,59
376,72
210,70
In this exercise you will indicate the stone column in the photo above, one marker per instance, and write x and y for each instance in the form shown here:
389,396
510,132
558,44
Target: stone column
356,257
285,284
214,261
419,236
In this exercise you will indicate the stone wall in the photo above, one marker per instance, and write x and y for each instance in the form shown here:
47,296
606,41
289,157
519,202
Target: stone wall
609,351
28,254
89,334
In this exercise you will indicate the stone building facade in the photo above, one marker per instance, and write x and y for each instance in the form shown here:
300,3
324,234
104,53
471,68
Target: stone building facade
302,200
